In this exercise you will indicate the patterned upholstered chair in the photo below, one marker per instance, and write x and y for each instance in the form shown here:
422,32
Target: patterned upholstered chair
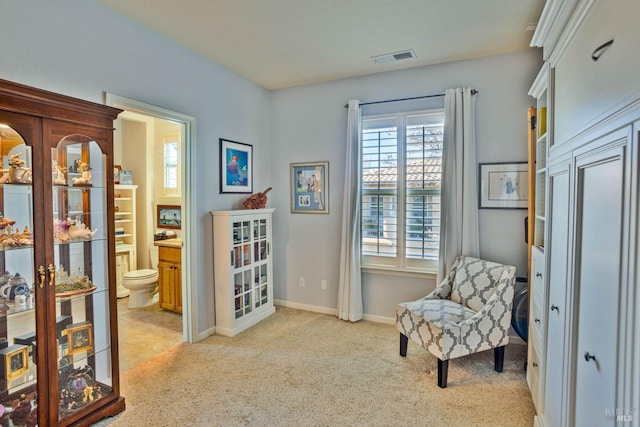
469,312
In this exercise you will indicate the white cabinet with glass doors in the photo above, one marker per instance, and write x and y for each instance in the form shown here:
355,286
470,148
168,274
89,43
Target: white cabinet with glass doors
243,268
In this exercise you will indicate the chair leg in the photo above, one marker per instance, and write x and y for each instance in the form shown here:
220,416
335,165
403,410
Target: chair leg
498,358
403,345
443,367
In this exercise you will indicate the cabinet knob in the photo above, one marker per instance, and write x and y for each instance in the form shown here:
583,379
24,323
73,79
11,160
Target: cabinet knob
41,273
52,274
588,356
535,365
555,307
538,274
536,320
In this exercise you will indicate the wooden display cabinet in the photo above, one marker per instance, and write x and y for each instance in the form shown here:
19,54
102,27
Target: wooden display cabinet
58,260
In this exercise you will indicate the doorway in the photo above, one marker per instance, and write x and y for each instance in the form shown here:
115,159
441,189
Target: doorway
148,133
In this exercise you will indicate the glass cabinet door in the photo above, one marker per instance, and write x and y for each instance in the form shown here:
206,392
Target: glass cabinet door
18,403
81,256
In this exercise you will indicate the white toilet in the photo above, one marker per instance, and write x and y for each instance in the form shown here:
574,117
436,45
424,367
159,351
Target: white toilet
142,283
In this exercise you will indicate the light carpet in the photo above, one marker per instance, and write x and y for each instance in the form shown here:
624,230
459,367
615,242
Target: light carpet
298,368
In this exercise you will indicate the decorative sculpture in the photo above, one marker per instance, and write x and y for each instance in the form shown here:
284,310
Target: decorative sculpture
85,177
17,239
256,201
5,221
69,229
60,178
17,173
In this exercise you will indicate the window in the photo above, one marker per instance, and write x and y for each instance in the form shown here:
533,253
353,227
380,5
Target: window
401,176
170,164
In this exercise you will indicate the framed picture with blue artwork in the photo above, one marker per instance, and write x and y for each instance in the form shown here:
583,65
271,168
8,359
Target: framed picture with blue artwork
503,186
310,187
236,167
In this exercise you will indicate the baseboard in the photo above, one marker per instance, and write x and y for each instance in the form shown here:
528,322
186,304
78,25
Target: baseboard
331,311
513,337
306,307
380,319
206,333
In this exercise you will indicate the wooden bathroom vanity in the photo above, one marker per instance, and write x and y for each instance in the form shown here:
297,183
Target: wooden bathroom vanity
170,274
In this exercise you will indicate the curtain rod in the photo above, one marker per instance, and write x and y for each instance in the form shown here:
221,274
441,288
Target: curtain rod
473,92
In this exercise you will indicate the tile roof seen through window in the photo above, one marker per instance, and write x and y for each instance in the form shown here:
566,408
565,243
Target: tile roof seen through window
421,173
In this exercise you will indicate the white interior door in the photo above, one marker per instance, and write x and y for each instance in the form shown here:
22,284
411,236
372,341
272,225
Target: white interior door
598,283
558,259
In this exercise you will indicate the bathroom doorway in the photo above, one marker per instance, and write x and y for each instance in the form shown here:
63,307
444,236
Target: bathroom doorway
152,146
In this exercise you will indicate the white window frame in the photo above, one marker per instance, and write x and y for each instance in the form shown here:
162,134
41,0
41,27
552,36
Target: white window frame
166,140
400,264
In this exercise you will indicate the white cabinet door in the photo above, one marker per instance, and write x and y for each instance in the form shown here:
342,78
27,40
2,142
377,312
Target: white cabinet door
558,259
586,89
600,242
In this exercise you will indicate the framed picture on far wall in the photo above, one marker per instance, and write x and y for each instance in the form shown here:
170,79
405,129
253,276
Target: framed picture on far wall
310,187
236,167
169,216
504,186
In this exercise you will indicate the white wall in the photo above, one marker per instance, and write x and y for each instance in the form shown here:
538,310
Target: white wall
310,125
81,49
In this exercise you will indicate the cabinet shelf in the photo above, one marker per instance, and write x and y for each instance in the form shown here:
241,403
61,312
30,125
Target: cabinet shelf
95,290
23,383
7,248
70,242
13,309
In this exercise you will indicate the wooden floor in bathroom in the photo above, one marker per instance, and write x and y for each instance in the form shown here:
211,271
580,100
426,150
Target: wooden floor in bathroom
145,332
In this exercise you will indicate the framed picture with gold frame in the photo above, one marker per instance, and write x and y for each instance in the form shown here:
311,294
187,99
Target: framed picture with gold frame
15,360
79,337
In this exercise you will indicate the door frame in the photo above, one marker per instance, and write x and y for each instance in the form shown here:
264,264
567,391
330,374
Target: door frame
188,190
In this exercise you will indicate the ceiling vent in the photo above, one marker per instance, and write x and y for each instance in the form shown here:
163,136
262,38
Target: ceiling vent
395,56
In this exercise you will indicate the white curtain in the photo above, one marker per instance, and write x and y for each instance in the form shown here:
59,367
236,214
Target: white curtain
459,199
350,285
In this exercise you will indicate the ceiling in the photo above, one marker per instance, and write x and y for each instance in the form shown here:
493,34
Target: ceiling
283,43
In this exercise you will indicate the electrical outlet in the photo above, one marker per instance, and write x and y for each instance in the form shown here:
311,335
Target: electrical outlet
323,285
301,282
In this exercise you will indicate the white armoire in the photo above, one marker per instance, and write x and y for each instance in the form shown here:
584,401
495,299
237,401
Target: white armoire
589,368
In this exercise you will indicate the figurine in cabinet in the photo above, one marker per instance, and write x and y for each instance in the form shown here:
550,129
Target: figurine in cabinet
6,221
85,177
60,178
16,239
17,173
69,229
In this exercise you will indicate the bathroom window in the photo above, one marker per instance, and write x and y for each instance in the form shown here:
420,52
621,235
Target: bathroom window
170,163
